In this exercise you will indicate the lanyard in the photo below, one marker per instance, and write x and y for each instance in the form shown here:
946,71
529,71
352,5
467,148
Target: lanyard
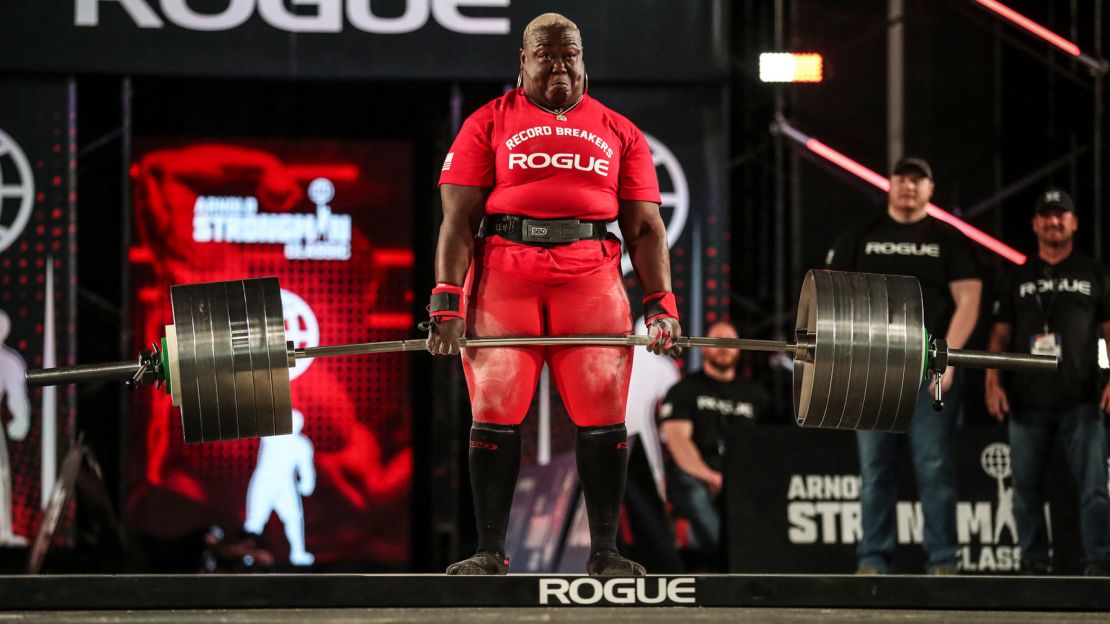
1046,312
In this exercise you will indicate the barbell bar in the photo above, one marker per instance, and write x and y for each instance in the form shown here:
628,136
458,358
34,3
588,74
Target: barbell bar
860,355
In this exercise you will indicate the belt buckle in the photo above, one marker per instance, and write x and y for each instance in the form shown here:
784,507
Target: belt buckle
543,231
570,233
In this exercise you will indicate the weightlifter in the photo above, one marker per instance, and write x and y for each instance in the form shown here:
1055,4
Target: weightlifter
542,170
1058,304
907,241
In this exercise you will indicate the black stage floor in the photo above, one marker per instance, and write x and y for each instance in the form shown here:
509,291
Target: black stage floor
250,598
585,615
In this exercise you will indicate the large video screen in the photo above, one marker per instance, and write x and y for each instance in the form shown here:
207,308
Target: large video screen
331,220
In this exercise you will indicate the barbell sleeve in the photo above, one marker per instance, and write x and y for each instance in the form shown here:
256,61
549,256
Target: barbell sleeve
108,371
1022,362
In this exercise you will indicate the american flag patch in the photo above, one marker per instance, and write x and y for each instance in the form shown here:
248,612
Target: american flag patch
447,161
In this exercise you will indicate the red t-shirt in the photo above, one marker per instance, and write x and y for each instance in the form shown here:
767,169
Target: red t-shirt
548,169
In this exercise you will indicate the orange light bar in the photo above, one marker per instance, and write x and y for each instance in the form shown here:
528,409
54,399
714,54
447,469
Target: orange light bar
791,67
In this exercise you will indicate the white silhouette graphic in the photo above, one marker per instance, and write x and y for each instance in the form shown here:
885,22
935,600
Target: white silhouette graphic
17,196
13,372
301,328
995,461
652,376
284,474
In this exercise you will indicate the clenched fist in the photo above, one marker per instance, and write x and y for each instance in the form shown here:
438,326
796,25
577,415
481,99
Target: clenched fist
444,336
664,331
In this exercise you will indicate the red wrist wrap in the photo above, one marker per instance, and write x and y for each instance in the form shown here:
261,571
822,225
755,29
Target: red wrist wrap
446,302
660,304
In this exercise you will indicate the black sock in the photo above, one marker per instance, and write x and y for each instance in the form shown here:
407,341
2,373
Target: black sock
494,464
602,457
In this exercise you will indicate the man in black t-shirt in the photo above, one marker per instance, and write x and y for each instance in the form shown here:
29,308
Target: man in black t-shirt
907,241
1058,304
693,420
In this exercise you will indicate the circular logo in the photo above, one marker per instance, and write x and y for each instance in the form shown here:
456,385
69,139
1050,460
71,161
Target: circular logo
321,191
675,206
301,328
17,196
995,460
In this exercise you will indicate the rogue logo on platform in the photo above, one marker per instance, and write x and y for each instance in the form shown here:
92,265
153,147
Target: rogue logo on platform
327,17
646,591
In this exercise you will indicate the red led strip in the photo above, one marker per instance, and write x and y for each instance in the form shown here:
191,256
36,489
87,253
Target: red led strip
1033,27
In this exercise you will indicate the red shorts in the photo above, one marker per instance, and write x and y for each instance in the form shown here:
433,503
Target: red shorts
593,381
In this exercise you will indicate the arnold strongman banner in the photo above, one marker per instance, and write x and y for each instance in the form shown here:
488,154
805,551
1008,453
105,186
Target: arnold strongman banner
38,249
793,504
332,221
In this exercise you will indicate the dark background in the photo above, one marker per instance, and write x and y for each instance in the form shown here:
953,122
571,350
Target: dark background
986,103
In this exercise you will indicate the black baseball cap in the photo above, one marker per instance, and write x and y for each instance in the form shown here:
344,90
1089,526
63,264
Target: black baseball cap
1054,199
911,163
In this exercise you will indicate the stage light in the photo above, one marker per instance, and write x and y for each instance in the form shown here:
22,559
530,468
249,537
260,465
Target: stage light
791,67
881,181
1024,22
1099,65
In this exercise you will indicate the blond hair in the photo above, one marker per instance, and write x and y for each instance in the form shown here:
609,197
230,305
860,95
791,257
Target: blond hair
546,21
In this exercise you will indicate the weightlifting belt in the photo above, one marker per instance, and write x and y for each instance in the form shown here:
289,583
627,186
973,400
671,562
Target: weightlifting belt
541,231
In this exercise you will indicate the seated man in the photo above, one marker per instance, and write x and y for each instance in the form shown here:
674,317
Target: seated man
693,420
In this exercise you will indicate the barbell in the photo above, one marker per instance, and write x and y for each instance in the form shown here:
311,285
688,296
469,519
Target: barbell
860,352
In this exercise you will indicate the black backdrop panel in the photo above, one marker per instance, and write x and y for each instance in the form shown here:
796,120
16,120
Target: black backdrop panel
423,39
38,251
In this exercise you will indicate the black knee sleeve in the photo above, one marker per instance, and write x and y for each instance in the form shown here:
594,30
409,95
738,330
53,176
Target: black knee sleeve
494,464
602,457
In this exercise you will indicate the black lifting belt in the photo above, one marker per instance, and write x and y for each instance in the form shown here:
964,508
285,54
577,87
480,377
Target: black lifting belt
542,231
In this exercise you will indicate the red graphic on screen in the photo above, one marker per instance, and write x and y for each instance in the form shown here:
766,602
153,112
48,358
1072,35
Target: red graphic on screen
330,219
